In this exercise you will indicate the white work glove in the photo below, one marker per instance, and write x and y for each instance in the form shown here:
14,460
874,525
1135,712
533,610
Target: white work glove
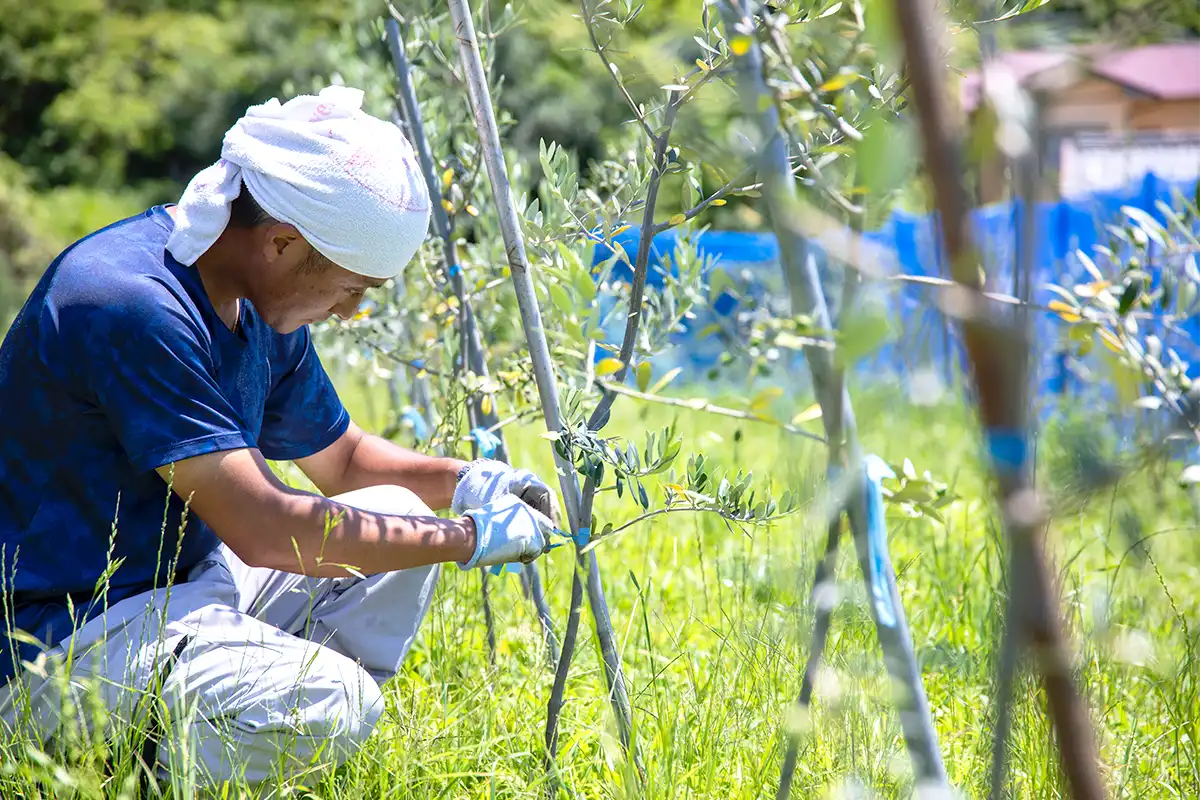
506,531
486,480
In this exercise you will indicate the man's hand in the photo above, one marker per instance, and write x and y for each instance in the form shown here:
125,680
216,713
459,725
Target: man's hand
507,530
486,480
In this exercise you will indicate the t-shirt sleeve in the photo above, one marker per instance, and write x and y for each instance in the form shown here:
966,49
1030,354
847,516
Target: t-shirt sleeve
147,365
303,413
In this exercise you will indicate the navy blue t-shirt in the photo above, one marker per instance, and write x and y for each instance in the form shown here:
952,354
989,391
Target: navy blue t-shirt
116,365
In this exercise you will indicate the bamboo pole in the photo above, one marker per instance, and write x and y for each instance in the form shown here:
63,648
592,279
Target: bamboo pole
472,345
997,350
1025,167
822,596
599,417
837,411
578,514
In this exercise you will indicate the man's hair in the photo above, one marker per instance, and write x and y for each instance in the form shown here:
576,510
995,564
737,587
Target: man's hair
245,212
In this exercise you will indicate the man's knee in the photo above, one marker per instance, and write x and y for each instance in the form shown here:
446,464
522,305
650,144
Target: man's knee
386,499
353,703
342,702
298,710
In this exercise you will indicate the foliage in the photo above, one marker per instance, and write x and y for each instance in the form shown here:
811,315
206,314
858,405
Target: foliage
111,94
110,107
1142,286
23,252
583,304
616,114
715,633
1125,22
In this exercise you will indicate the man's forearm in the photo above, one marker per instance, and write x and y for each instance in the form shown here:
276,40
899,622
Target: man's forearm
377,461
312,535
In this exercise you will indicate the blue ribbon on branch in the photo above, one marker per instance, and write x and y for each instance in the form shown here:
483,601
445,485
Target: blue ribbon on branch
499,569
877,549
419,425
1008,448
486,441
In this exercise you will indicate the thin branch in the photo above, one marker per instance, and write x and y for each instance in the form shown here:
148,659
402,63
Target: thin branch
555,704
678,509
946,283
529,412
820,598
539,352
388,354
487,287
806,88
708,75
818,176
730,186
709,408
640,268
589,22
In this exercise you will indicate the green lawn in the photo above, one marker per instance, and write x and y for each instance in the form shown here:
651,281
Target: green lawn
715,639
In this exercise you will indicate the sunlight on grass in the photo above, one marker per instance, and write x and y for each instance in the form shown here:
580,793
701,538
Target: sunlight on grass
714,624
715,642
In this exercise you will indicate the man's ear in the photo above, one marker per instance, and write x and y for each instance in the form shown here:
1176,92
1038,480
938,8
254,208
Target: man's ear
278,241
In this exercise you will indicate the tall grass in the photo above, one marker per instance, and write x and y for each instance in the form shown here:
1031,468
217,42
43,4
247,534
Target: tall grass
714,621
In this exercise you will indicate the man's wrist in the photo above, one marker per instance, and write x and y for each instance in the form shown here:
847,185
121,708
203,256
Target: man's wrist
460,471
466,550
453,468
457,504
466,466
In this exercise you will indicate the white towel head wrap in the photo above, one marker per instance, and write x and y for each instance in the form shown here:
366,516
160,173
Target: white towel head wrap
348,181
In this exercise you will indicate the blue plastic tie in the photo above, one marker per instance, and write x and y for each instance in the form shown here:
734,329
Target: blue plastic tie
419,425
877,549
486,441
454,269
1008,448
583,537
497,569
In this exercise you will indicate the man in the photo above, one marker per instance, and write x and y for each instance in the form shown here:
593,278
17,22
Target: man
153,371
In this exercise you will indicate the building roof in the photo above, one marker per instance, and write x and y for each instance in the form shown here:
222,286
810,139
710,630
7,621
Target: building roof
1164,71
1023,65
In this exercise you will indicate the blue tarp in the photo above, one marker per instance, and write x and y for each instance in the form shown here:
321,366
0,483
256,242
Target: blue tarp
922,336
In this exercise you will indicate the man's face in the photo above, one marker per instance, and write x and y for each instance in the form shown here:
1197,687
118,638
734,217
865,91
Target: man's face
298,286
